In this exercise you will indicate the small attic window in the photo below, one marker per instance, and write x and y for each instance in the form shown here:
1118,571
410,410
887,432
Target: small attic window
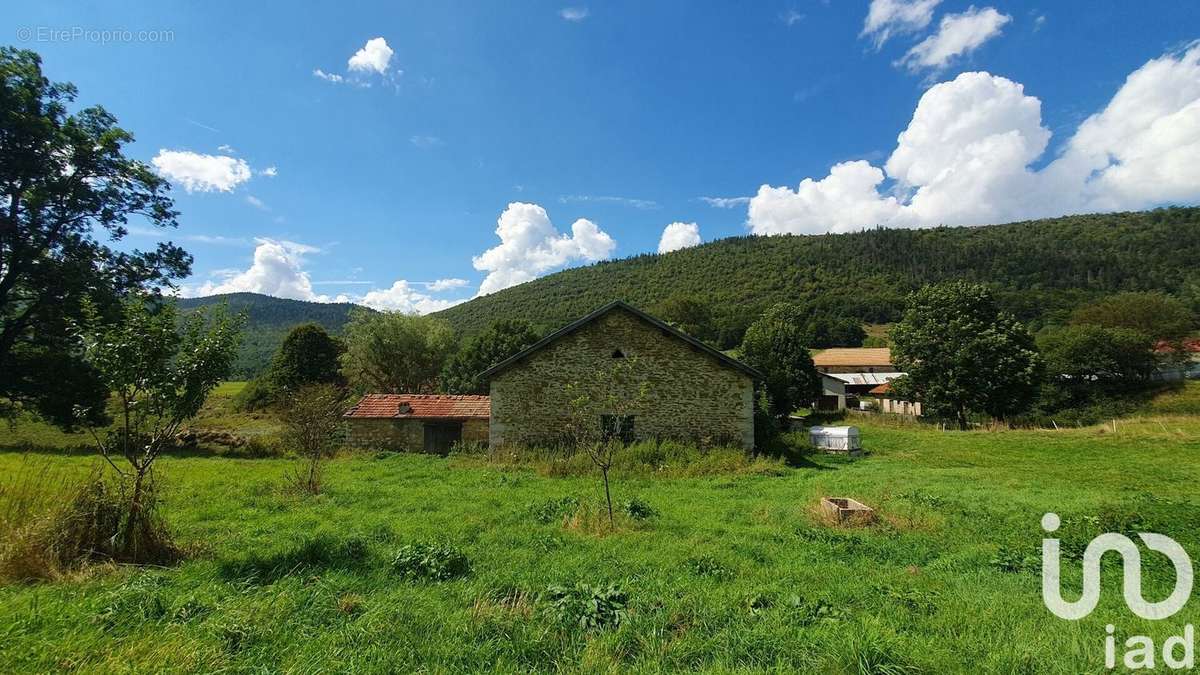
404,409
618,354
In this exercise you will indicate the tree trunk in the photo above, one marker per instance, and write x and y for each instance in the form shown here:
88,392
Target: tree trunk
607,496
962,419
133,522
312,474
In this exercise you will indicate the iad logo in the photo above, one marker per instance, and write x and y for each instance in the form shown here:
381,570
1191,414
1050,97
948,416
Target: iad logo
1140,652
1111,541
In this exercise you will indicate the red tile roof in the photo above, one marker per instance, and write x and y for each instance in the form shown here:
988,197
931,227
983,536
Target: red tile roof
421,406
882,389
1190,345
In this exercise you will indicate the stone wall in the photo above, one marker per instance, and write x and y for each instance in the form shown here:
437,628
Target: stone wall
691,395
475,431
404,435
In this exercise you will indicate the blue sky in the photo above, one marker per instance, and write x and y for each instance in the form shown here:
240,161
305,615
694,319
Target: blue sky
367,150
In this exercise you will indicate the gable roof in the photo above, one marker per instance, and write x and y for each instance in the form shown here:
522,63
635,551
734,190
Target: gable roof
721,358
420,406
853,356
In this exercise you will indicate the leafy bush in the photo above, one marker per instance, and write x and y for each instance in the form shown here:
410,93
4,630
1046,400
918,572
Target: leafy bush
638,509
1013,560
258,447
806,612
430,562
588,607
709,567
555,509
258,394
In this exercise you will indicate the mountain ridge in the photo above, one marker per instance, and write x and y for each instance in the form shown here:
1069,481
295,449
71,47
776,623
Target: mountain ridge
1040,269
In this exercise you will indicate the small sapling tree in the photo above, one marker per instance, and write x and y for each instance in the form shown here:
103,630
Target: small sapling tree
312,421
159,371
603,414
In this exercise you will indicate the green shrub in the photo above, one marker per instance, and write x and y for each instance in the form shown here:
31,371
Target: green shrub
709,567
258,394
588,607
805,612
1016,561
430,562
638,509
258,447
555,509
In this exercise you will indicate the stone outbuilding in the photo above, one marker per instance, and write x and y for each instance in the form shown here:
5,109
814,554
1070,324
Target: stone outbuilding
692,392
417,422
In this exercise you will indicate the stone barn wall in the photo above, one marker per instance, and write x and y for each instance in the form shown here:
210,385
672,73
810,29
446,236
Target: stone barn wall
475,431
405,434
692,396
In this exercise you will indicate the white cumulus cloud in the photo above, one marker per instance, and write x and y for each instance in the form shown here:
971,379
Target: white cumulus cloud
328,77
277,269
197,172
375,56
965,159
574,14
679,235
886,18
957,35
403,297
446,284
725,202
530,246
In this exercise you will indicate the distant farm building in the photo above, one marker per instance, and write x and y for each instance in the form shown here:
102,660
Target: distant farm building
856,377
693,392
1177,361
417,422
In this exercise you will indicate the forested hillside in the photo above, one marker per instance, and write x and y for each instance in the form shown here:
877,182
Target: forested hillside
267,321
1040,269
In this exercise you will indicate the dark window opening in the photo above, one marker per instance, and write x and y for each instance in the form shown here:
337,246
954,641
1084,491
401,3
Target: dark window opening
619,427
618,354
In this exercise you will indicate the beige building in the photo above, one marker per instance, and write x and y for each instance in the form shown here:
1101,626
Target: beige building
417,422
857,377
692,393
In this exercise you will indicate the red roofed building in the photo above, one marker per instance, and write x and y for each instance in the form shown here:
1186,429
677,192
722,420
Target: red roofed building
418,422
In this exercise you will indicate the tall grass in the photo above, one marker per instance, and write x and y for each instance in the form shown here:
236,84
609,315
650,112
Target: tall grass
645,458
54,521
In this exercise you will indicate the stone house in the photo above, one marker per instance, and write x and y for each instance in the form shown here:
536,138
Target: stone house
417,422
692,392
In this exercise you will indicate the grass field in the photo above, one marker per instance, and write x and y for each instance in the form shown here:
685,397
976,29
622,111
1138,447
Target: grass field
733,571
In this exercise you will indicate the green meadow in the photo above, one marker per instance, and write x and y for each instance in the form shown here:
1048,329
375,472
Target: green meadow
716,562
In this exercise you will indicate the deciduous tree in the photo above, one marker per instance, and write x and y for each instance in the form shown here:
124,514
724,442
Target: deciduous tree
1087,359
603,412
963,355
393,352
159,374
1155,315
777,346
312,421
502,339
66,193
